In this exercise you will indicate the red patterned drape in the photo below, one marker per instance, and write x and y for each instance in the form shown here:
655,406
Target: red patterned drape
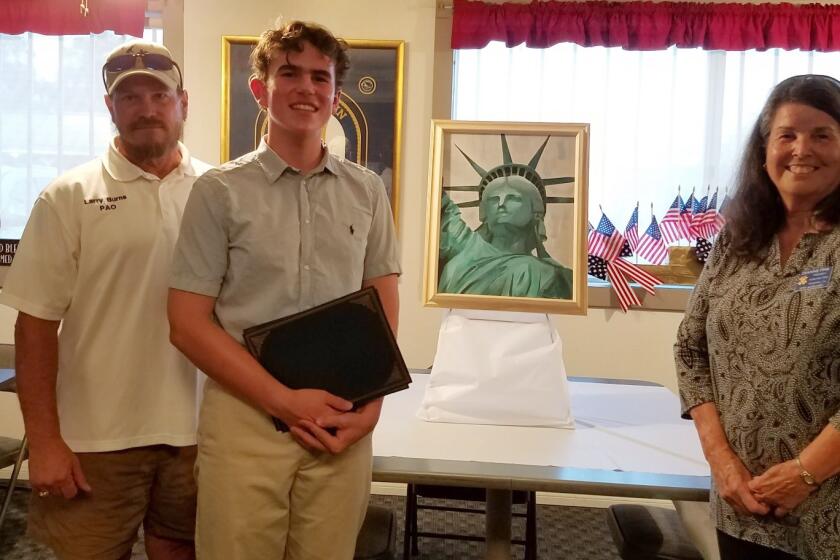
648,25
64,17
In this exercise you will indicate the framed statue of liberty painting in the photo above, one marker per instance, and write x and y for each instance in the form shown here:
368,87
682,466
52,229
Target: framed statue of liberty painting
506,221
366,127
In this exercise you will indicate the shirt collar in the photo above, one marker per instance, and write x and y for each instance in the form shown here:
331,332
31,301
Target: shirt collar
118,166
274,166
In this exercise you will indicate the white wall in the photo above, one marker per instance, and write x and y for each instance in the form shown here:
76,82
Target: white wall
7,325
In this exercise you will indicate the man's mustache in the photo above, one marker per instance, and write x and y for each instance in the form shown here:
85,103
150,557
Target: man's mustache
147,123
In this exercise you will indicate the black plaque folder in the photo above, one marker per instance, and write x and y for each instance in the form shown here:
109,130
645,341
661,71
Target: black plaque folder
344,346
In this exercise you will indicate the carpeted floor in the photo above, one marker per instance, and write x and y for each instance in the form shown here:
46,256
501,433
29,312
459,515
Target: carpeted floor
568,533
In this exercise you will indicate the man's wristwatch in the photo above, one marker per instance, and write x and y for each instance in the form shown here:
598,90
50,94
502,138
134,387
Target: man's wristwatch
806,477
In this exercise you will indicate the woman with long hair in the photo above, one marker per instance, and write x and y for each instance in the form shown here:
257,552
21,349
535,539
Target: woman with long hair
758,352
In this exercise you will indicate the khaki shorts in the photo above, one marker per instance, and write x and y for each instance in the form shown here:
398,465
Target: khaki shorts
152,485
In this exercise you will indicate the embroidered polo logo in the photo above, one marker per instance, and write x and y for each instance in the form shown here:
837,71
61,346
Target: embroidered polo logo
107,203
817,278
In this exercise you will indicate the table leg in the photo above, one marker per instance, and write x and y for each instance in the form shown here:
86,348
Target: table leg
498,524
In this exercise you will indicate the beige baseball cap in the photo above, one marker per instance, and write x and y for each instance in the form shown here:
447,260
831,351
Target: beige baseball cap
140,58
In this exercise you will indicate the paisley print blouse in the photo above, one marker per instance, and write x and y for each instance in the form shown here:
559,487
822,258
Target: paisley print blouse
762,342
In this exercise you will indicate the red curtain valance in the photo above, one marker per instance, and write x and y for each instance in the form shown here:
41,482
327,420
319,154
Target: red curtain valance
64,17
647,25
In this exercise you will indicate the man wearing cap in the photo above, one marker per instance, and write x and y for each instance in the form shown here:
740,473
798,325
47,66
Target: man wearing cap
109,405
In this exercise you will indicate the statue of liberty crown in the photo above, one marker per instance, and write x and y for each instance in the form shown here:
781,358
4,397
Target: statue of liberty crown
508,168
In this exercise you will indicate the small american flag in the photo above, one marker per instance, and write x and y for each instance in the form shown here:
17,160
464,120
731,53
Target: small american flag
631,232
720,219
605,241
651,247
597,267
626,251
687,217
702,249
700,205
697,211
626,295
707,225
672,230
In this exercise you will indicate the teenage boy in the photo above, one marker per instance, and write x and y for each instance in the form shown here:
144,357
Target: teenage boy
279,230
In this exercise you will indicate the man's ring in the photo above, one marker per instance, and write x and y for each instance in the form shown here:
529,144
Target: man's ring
43,493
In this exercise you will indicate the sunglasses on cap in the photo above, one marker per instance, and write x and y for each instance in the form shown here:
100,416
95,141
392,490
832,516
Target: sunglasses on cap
150,61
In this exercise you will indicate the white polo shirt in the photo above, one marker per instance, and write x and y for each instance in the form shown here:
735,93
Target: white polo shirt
96,254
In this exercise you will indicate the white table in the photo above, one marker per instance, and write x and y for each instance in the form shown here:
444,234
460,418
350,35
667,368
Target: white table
629,441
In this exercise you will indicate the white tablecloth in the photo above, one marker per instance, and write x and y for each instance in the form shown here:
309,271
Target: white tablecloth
634,428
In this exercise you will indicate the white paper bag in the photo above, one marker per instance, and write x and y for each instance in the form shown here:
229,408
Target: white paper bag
498,368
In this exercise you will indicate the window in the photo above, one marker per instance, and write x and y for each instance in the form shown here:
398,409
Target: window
659,119
52,116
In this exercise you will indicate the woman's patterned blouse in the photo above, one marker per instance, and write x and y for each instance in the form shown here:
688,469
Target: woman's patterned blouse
762,342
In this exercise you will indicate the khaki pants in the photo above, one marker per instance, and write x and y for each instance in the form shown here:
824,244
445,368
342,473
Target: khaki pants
263,496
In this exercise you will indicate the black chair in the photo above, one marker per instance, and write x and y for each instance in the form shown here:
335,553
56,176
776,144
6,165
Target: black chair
418,494
649,533
378,536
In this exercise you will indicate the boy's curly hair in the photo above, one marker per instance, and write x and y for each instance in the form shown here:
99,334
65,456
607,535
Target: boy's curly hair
291,37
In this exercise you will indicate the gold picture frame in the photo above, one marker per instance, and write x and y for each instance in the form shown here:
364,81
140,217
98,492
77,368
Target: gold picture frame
489,255
369,116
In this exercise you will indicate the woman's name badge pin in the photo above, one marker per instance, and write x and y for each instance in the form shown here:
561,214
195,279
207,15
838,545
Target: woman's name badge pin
817,278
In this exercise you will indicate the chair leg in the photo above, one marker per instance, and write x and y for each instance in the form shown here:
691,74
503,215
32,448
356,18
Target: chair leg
410,507
407,524
12,481
531,527
415,549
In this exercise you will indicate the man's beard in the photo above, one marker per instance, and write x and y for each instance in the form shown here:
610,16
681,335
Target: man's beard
149,149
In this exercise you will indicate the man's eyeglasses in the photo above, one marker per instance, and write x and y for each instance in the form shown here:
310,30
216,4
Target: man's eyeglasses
150,61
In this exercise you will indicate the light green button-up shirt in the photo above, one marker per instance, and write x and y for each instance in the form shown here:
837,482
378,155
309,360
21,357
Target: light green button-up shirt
268,241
